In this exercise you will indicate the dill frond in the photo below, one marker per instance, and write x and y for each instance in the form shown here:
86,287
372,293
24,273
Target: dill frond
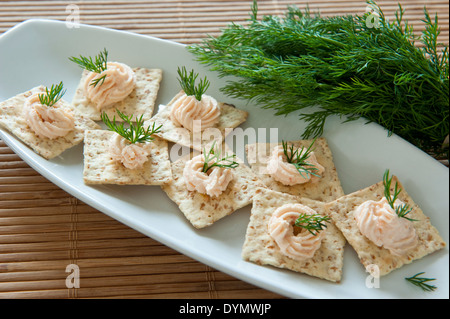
52,95
187,83
135,132
97,65
421,282
214,158
400,210
298,157
341,66
312,223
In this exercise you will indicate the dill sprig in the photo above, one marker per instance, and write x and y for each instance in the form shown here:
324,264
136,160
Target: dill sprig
214,158
52,95
97,65
421,282
341,66
135,132
298,157
400,210
313,223
187,83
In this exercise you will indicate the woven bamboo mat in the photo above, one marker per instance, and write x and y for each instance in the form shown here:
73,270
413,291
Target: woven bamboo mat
43,229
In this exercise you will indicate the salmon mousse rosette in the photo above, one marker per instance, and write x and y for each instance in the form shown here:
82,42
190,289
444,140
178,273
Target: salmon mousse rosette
46,116
303,243
112,85
44,121
129,146
127,153
378,221
194,104
194,119
291,166
107,86
209,173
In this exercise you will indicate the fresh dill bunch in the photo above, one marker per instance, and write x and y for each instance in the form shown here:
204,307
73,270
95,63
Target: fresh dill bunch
52,95
339,65
187,83
214,158
313,223
97,65
400,210
298,157
421,282
135,132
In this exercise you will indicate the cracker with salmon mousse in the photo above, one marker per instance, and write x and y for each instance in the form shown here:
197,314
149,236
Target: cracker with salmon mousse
141,100
12,119
326,186
343,213
197,138
262,247
203,204
101,166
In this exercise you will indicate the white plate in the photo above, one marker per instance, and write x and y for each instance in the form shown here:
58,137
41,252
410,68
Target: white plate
36,52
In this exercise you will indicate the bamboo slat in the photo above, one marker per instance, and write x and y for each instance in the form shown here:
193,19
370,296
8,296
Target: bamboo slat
43,229
188,21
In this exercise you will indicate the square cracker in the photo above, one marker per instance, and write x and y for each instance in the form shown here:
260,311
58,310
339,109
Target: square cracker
100,168
230,118
326,189
141,100
342,213
202,210
11,118
261,249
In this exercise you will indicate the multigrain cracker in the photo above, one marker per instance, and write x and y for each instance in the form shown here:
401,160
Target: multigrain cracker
230,117
342,213
326,189
141,100
260,248
100,168
202,210
11,118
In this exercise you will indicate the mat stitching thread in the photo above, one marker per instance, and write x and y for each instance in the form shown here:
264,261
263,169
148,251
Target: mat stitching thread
210,277
73,239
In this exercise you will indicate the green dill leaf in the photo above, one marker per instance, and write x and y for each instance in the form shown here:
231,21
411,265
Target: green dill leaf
135,132
254,11
340,66
421,282
313,223
100,80
52,95
298,157
400,210
213,158
98,64
187,83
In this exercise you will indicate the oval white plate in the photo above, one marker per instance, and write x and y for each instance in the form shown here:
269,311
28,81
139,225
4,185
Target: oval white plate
37,51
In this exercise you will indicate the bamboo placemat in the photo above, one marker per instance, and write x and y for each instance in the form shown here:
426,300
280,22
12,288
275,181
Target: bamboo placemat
44,229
